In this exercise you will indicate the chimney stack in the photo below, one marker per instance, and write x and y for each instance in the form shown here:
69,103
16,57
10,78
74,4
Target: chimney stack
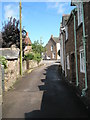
51,36
26,34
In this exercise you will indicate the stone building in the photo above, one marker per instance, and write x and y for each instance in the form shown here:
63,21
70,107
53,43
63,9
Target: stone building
52,48
77,52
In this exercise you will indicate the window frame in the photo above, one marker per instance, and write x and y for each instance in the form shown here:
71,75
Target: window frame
66,30
79,10
82,65
51,47
68,62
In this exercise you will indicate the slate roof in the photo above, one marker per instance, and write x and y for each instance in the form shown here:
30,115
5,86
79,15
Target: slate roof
56,39
65,18
9,54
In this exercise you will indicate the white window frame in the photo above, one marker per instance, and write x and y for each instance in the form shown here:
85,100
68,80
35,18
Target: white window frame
79,9
68,63
66,29
51,47
82,65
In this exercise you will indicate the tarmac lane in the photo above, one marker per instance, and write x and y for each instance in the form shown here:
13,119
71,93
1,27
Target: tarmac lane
42,94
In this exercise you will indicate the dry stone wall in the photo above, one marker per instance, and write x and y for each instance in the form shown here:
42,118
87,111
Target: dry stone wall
13,71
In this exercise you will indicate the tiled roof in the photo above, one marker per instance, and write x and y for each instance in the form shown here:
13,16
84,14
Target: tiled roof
27,39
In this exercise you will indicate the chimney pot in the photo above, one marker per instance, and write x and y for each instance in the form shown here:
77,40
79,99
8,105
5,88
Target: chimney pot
27,34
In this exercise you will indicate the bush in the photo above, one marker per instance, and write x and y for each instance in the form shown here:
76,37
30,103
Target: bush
34,56
37,57
29,56
3,61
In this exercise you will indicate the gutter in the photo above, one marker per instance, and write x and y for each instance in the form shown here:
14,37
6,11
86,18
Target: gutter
73,13
84,45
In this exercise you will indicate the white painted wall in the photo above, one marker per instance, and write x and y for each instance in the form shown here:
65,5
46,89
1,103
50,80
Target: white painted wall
58,48
62,51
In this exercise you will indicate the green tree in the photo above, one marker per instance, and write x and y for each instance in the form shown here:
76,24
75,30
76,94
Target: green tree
38,47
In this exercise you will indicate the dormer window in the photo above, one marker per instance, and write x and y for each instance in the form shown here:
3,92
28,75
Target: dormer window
79,9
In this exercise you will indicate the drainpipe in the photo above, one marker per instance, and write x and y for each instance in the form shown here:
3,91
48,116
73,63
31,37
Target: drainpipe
77,83
84,45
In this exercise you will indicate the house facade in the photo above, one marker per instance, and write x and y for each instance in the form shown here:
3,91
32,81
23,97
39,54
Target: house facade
77,51
62,38
52,48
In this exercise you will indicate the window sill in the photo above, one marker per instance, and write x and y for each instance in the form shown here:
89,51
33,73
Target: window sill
68,69
82,72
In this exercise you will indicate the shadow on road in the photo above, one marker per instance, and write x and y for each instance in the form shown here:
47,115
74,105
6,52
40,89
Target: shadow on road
58,100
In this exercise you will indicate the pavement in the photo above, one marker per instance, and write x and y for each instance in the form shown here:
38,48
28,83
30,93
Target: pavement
42,93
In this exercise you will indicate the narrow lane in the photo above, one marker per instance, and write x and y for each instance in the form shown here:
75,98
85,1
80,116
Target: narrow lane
42,94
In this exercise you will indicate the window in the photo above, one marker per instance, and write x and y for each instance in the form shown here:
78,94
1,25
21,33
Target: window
68,64
79,9
66,29
52,48
82,65
53,55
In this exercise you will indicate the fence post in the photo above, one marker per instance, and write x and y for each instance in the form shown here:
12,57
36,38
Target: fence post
0,93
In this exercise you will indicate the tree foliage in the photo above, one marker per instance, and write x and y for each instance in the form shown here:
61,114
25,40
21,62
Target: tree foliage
11,34
29,56
38,47
37,57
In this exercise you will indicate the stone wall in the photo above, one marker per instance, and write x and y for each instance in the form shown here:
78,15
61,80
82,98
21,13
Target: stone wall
13,71
0,94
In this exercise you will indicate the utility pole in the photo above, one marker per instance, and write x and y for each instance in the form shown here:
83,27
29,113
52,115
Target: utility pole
20,41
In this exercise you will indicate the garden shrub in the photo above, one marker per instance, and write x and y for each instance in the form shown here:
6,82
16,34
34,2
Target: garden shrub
3,61
37,57
29,56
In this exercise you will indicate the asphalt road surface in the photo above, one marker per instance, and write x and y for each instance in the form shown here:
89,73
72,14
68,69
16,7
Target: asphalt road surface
42,94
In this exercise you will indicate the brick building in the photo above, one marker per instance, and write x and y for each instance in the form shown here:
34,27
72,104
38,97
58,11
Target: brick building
28,43
52,48
77,51
62,38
